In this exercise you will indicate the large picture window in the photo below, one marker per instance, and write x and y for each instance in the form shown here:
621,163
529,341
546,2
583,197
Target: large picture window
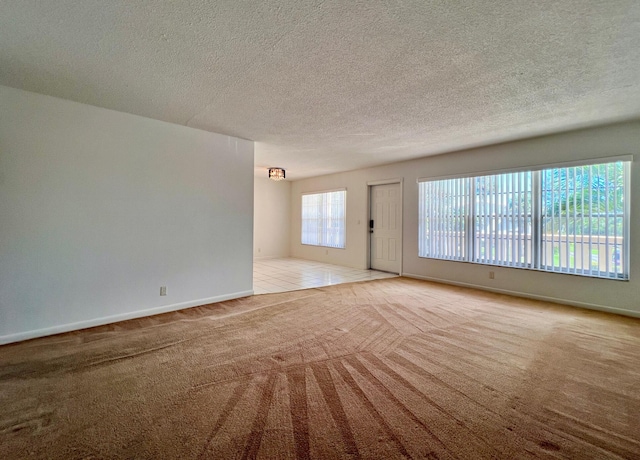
567,219
323,219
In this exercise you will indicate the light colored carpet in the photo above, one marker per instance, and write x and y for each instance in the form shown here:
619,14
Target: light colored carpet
383,369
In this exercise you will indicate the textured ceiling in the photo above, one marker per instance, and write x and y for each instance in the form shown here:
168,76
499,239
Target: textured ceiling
325,86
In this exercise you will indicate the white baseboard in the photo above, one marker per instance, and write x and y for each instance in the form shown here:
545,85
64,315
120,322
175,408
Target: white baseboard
10,338
589,306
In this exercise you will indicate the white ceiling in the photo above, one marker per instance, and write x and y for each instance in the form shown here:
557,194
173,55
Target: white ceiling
326,86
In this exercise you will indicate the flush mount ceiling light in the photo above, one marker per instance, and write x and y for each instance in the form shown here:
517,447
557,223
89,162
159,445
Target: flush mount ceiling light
276,173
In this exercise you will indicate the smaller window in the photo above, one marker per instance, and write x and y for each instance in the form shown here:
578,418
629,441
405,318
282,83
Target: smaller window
323,219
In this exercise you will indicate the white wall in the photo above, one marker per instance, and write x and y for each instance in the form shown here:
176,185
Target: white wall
620,139
271,218
98,209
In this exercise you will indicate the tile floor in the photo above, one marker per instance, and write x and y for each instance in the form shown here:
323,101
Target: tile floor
280,275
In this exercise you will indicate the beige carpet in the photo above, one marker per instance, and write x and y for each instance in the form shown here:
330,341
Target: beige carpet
384,369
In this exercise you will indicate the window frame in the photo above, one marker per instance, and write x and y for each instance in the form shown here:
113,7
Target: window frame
537,242
324,236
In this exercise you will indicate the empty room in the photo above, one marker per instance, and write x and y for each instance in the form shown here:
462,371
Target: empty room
323,229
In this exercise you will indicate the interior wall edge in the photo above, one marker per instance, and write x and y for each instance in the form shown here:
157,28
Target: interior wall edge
70,327
284,256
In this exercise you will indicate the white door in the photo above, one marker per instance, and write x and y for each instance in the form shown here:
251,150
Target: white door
385,230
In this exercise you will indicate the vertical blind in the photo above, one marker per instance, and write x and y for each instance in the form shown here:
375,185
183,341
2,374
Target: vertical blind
323,219
583,219
502,218
570,220
442,224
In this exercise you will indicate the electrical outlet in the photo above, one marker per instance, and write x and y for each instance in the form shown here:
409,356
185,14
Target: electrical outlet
492,275
163,290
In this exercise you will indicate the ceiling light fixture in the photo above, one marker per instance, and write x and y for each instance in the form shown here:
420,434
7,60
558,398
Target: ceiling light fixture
276,173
